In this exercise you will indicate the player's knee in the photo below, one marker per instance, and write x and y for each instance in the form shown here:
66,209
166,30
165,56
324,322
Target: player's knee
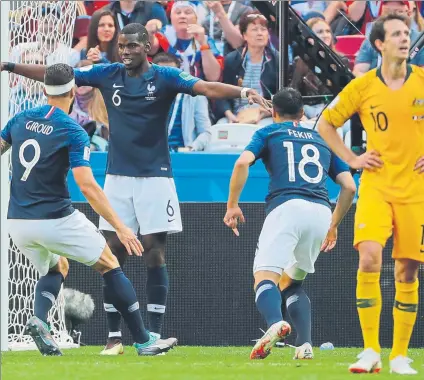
62,267
107,261
370,257
406,271
154,257
115,245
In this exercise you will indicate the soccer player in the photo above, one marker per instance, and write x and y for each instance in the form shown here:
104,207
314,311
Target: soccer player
298,222
390,103
46,228
139,181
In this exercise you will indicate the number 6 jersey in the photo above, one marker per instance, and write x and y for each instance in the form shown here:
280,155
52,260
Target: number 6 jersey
298,162
394,122
46,142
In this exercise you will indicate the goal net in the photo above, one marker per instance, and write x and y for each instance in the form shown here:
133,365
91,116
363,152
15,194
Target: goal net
40,32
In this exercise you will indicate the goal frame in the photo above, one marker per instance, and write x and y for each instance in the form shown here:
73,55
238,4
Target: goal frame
4,182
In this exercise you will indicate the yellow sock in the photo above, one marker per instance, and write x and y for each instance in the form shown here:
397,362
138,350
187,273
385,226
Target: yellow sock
404,316
368,304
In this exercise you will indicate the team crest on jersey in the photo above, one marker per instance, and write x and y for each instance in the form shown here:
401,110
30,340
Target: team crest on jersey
418,103
151,88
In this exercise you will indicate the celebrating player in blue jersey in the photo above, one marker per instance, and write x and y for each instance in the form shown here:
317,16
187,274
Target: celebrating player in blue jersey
139,181
298,224
46,228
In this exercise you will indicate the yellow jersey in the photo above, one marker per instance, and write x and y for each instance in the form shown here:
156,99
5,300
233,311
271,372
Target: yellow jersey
394,123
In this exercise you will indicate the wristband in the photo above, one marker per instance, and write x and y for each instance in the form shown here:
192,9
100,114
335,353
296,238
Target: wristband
205,47
10,67
243,93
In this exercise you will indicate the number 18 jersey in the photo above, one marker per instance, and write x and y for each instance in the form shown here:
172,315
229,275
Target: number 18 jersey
298,162
46,142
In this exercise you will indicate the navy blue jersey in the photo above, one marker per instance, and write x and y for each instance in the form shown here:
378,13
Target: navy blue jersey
138,109
45,143
298,162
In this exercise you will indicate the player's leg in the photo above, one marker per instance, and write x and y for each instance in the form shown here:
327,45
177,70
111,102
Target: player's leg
48,288
408,252
119,191
158,214
275,251
157,283
268,303
79,240
298,306
373,226
114,344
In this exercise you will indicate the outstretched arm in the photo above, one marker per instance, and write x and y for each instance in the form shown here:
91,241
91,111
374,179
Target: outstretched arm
35,72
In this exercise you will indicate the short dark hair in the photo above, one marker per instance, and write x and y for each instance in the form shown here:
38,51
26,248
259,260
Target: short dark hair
249,18
379,33
166,58
57,75
136,28
288,102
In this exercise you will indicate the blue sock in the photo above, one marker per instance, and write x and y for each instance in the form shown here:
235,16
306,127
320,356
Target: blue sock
112,315
46,292
122,295
268,302
157,291
299,308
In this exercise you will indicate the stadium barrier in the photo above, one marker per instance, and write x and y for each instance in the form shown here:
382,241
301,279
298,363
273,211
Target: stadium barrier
211,299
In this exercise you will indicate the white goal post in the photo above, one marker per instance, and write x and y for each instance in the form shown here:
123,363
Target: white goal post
27,39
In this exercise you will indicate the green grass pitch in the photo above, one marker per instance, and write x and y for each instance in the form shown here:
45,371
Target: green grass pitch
189,363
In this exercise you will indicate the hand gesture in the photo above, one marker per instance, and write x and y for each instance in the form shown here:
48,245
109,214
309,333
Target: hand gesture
254,98
330,240
153,26
419,166
130,241
263,113
232,218
94,54
216,7
369,160
198,32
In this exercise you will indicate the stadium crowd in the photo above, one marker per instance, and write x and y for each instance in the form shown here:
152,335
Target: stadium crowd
228,41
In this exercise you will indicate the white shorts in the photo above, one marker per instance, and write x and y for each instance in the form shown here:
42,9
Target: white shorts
149,204
43,241
291,238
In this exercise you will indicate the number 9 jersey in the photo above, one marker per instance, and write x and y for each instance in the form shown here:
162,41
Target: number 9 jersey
394,123
298,162
46,142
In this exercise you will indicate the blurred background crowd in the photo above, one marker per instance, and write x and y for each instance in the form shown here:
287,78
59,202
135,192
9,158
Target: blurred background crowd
227,41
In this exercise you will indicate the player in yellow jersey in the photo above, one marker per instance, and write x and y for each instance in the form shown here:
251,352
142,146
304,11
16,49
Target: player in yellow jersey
390,103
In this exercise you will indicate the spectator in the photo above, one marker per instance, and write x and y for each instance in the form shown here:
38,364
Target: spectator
186,39
130,11
368,58
188,123
102,45
256,66
220,24
329,9
417,18
304,79
89,109
361,13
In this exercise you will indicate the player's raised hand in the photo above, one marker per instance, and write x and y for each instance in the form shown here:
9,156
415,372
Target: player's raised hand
130,241
369,160
198,32
233,216
419,166
330,240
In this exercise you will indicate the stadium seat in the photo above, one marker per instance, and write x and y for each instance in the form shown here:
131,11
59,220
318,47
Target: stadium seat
230,137
349,46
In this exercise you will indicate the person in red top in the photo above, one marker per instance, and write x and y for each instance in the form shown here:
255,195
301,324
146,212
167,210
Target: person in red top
364,12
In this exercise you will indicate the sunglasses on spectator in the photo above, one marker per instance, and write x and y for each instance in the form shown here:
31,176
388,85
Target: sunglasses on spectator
255,16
